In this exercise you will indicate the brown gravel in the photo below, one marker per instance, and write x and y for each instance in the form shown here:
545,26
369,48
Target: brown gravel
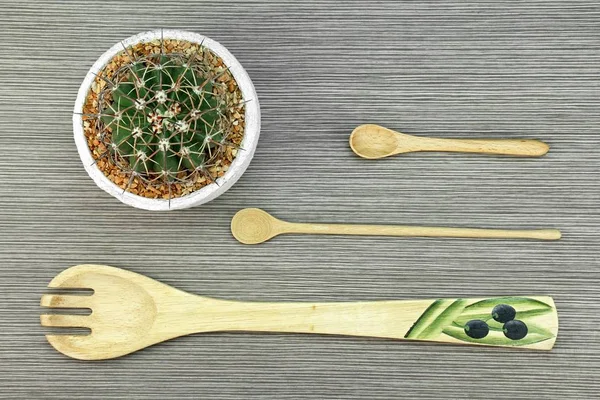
235,120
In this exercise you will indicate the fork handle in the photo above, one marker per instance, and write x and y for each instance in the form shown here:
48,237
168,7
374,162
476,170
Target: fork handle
441,320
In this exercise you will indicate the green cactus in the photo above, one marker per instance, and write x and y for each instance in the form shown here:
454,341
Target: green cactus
162,116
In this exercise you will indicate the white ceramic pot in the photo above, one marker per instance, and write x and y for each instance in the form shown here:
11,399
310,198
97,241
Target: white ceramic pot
207,193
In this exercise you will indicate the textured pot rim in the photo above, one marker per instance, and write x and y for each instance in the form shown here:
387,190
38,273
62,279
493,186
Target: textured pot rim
208,192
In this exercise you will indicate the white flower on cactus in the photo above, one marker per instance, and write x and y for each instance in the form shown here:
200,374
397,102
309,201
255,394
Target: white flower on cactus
157,128
175,108
154,117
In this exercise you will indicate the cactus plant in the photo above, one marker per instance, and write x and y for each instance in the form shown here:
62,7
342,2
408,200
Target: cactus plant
162,117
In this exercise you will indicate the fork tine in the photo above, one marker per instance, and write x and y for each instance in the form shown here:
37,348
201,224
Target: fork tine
65,301
65,321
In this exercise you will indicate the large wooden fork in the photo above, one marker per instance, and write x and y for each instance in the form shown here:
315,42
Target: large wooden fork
131,311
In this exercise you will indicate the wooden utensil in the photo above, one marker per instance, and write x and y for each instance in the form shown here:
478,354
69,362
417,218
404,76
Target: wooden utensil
253,226
374,141
131,311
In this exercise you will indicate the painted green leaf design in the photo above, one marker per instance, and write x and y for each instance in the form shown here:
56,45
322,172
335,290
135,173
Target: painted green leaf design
517,302
433,321
495,337
526,307
428,316
449,317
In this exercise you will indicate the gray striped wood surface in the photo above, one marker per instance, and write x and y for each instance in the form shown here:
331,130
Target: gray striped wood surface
450,69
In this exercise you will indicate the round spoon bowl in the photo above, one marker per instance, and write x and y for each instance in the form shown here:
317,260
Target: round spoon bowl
373,141
252,226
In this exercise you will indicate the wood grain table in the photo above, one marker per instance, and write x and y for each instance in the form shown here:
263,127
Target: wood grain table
499,69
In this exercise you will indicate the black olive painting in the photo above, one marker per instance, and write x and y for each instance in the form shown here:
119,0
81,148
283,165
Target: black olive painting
506,321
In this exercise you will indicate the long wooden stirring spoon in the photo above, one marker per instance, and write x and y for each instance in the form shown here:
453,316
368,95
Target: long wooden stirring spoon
131,311
374,141
253,226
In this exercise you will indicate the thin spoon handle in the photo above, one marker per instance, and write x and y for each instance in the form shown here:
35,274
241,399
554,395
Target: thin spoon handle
426,231
514,147
467,321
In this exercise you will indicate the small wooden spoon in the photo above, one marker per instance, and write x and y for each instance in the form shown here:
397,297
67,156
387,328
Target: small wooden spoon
131,311
253,226
374,141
